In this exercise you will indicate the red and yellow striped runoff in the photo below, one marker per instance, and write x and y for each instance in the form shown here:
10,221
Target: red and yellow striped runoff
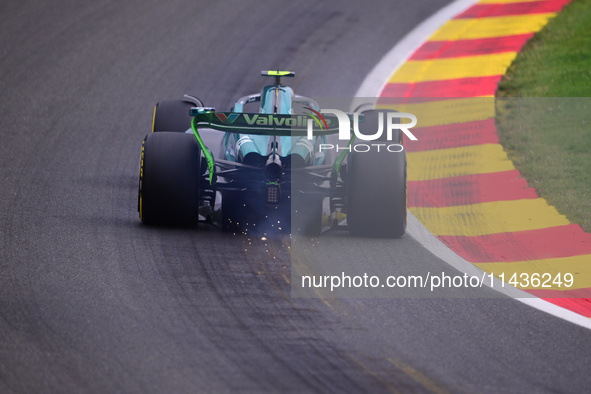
462,186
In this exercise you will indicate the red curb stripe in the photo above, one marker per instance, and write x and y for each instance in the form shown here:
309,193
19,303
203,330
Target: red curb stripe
561,294
469,189
582,306
453,136
526,8
464,87
413,100
545,243
460,48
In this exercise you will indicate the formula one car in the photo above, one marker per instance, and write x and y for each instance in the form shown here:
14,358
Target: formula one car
271,165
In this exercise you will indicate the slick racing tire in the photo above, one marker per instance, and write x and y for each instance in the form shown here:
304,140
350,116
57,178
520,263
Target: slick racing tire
169,180
376,189
172,115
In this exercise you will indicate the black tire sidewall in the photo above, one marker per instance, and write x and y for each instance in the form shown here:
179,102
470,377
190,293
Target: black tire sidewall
173,116
170,176
376,190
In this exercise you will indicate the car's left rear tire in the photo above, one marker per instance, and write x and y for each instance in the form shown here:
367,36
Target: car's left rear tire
169,179
172,115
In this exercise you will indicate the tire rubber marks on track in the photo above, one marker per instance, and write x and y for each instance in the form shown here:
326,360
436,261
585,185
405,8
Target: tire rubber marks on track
453,68
489,217
491,27
465,160
544,243
470,189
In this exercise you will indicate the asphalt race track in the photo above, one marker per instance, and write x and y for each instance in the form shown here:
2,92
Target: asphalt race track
91,300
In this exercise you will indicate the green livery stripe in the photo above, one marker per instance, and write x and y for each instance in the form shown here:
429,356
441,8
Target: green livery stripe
206,151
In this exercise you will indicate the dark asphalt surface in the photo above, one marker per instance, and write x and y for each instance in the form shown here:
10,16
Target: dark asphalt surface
93,301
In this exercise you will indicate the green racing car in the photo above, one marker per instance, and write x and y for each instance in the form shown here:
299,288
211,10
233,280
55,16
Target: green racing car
279,167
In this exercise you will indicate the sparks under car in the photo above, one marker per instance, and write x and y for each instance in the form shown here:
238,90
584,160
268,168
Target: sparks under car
267,165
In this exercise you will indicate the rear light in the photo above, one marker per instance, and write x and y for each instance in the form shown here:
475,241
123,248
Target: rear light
272,193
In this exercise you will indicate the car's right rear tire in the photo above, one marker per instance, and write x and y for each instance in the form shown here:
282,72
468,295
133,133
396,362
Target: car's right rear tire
376,188
169,179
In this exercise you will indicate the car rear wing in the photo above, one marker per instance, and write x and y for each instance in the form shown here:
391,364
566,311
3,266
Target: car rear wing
265,124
